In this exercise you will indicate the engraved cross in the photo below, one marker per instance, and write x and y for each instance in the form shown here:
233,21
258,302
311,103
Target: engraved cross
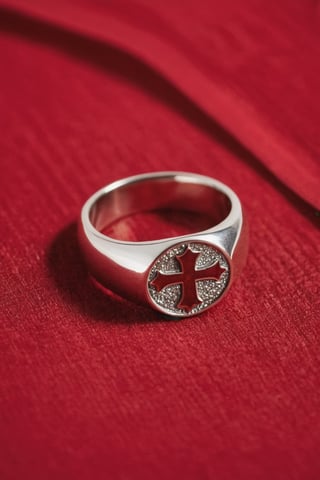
187,278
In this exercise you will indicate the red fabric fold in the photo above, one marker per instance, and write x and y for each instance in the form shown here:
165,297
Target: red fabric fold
252,68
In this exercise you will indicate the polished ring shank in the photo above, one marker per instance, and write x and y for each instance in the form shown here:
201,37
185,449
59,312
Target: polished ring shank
180,276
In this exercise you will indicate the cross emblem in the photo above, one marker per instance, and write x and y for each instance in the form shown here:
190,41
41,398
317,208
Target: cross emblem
187,278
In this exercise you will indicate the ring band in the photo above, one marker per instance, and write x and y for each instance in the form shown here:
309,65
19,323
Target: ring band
180,276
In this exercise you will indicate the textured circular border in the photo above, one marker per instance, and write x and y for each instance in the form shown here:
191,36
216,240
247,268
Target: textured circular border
201,264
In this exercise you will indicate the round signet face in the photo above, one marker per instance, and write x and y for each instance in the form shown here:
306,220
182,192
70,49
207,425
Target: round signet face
187,279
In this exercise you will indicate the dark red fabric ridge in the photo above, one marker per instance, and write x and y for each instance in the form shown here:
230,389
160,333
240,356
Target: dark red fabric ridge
297,167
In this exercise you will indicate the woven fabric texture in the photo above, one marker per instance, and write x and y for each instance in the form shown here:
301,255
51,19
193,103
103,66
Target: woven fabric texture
93,386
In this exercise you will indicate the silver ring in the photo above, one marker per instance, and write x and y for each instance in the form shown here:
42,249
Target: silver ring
180,276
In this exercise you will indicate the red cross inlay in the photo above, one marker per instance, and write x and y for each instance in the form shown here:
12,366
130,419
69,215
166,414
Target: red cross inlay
187,278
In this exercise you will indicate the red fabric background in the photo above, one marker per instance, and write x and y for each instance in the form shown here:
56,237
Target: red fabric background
93,386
